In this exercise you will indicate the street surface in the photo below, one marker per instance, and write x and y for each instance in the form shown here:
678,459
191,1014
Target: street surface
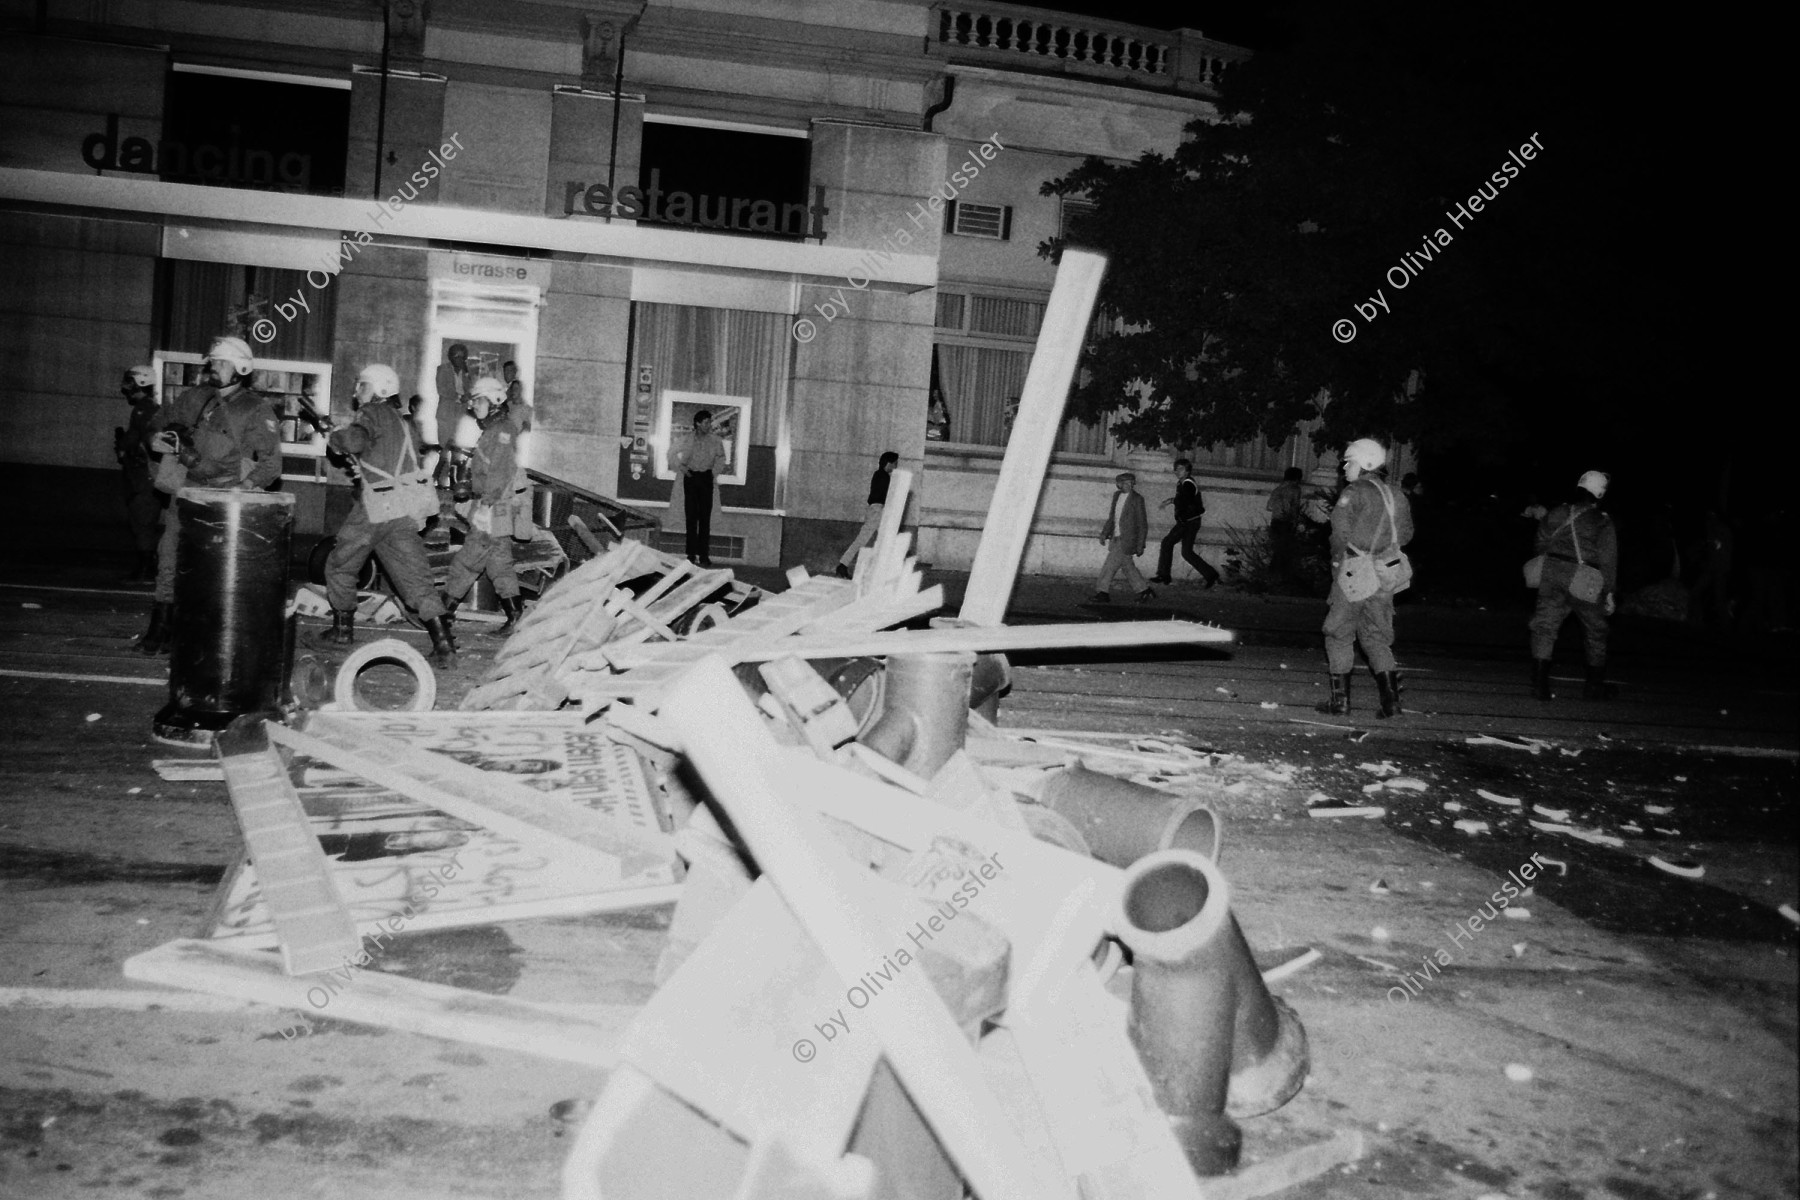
1655,1014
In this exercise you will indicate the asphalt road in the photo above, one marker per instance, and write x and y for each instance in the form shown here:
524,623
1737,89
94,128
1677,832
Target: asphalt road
1658,1011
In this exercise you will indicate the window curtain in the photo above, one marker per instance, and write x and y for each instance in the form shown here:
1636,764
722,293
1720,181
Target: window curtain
207,300
722,351
980,383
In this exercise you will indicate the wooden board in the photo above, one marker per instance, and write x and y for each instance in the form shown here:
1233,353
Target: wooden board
584,1034
980,639
314,928
831,898
1061,338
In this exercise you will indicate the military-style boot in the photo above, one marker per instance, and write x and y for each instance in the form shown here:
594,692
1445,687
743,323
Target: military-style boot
343,626
443,649
514,608
1388,684
1540,679
1340,695
161,632
450,612
1596,687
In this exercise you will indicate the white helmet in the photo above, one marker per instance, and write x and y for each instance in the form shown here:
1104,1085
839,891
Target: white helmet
235,351
1594,482
143,377
1367,453
383,381
488,388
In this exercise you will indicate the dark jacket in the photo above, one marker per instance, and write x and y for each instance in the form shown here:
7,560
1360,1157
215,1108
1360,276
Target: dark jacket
1132,526
495,460
1571,533
1360,518
1188,504
878,486
236,443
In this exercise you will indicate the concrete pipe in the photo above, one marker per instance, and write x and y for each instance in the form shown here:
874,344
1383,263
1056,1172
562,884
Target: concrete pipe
991,677
924,710
1123,821
1213,1041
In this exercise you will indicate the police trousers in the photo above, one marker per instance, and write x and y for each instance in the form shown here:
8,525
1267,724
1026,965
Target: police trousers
482,552
401,551
1370,622
1554,604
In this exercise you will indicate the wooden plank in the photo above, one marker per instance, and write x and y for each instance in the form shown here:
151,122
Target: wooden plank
1113,1139
1290,1169
637,850
1040,418
981,639
531,825
778,1172
831,897
314,927
878,612
813,707
594,545
587,1035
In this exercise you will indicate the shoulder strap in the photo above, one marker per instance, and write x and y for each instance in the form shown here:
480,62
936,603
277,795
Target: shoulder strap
406,452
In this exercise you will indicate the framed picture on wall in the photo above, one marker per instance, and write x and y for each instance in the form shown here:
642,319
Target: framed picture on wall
730,421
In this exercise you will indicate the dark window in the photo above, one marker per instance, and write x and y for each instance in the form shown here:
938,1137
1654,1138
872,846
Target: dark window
746,183
250,133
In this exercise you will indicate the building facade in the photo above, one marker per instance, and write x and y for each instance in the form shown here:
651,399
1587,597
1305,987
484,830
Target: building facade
817,220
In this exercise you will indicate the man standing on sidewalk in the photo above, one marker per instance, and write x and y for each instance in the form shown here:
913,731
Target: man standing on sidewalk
1189,508
1124,535
697,466
131,446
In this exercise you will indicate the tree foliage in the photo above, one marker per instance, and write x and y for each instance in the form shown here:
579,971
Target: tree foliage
1337,150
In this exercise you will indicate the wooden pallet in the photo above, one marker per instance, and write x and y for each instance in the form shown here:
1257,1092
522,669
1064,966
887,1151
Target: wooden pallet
589,608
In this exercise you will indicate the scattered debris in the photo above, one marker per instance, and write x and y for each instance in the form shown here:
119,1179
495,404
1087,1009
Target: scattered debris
1788,911
1380,887
1657,810
1518,949
1553,862
1268,704
1554,814
1508,801
1380,933
29,604
92,717
1365,810
1382,768
1516,914
1472,827
1406,783
1453,806
1292,966
1684,867
1510,741
1518,1072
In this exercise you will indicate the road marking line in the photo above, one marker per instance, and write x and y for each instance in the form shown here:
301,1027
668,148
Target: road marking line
46,587
137,679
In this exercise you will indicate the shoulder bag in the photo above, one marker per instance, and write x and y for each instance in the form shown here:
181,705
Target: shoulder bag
408,492
1366,572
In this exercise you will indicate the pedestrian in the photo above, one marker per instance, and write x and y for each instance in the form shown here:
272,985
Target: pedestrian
1572,536
453,383
381,442
878,490
1124,535
697,464
223,435
1371,518
1189,508
1284,508
131,446
496,474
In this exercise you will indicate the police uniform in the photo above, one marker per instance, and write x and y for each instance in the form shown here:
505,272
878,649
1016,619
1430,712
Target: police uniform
493,468
235,445
1360,519
1570,535
379,436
